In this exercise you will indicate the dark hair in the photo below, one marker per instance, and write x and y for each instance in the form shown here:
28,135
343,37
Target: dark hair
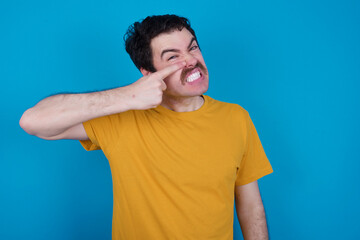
139,35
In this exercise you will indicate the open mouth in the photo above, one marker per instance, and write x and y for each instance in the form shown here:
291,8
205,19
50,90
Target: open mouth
191,75
194,76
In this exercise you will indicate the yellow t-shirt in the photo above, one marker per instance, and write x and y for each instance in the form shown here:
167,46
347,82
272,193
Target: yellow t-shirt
174,173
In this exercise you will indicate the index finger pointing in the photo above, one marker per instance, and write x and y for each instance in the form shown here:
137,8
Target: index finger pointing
163,73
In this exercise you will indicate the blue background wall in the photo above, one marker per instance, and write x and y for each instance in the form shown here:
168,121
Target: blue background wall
294,65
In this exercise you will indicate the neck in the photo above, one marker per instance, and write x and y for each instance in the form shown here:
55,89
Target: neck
183,104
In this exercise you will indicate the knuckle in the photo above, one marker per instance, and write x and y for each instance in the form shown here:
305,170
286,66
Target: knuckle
159,93
158,84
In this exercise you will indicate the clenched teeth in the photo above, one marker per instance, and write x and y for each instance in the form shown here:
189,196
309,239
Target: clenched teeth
193,77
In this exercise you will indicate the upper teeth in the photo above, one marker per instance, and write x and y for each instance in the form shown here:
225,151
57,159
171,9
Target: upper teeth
193,76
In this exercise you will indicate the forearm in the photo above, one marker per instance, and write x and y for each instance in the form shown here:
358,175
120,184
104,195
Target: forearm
57,113
252,220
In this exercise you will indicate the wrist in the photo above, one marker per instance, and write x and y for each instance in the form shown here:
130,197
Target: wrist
120,100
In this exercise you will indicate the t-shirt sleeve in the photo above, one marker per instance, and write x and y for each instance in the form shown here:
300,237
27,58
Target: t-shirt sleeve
254,164
92,143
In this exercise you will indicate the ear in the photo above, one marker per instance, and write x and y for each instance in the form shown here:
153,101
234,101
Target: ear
144,72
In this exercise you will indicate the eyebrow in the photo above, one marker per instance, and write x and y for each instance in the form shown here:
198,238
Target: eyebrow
176,50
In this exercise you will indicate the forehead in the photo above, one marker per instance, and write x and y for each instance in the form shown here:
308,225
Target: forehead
172,40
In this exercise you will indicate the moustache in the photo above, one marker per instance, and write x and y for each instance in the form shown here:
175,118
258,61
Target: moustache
185,71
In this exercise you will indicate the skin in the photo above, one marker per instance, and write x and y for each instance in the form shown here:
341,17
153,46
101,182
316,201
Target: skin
174,47
250,212
61,116
176,55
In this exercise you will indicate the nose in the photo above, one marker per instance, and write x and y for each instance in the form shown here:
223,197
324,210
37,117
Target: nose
190,60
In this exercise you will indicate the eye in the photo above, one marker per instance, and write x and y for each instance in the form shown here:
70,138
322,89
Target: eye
172,57
194,47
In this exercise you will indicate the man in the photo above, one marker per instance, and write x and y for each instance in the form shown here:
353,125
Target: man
178,158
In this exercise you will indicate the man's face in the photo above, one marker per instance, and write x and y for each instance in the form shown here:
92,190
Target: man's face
180,46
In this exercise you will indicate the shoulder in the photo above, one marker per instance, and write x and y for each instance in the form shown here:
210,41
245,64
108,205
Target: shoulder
231,108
